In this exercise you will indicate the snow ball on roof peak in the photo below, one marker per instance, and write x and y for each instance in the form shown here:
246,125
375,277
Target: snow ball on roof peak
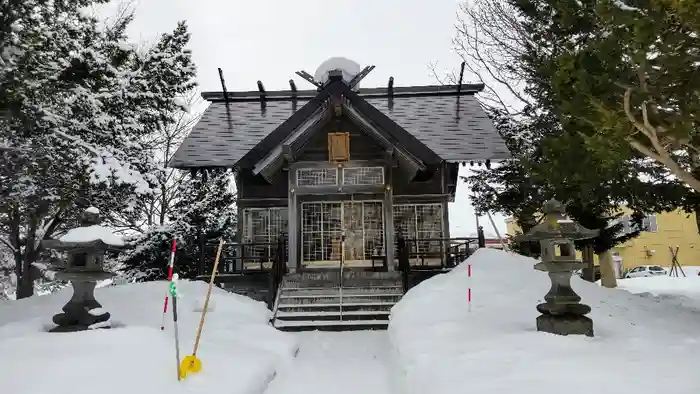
348,67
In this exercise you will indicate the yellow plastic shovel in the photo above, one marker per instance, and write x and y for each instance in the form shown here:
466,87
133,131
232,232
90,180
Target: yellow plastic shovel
191,364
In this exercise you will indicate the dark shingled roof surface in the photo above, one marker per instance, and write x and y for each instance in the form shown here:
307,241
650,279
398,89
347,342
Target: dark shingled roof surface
455,127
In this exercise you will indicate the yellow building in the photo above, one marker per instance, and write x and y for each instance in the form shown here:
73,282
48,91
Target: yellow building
675,229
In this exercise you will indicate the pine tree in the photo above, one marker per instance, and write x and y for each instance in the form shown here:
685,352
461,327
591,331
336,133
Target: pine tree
551,159
625,72
204,211
78,102
568,163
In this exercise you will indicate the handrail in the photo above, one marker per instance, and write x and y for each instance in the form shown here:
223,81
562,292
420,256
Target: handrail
276,305
279,267
449,255
236,257
342,264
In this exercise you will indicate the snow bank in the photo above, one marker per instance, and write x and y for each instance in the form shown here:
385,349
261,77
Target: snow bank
239,350
663,285
440,345
683,291
92,233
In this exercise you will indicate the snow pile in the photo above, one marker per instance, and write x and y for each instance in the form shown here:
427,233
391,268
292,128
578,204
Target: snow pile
682,290
92,233
663,285
440,346
239,350
349,68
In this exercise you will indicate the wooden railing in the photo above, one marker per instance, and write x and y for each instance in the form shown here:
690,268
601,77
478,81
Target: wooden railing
429,256
242,258
239,260
433,253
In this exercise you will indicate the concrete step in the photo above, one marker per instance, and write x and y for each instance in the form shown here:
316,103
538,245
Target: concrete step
314,301
326,325
346,290
346,283
333,315
350,279
334,274
335,306
335,298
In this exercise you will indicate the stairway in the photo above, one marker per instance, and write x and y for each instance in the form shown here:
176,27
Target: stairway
315,301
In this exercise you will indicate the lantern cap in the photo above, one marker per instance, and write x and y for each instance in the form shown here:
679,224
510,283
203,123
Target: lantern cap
557,226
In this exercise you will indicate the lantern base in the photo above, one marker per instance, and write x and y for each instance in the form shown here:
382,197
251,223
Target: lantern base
82,311
565,325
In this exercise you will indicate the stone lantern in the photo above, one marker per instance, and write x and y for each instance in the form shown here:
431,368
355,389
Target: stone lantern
561,313
85,247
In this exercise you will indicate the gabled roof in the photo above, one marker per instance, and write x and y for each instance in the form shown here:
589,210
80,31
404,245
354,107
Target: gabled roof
446,123
298,128
294,141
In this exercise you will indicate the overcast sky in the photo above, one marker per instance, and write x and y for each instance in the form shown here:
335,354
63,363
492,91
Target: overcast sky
269,40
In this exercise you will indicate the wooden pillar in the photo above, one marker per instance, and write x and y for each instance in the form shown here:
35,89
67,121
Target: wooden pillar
389,211
445,217
446,234
294,262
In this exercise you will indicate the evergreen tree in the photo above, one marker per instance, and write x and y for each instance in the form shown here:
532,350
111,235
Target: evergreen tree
204,211
550,157
77,103
624,72
567,164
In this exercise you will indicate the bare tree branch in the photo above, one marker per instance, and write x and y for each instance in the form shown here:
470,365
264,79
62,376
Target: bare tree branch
491,42
7,243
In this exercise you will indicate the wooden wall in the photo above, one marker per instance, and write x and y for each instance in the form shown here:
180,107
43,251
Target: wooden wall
362,147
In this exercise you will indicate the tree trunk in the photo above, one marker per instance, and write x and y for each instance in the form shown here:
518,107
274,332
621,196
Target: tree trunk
588,258
607,271
25,283
696,173
25,286
671,165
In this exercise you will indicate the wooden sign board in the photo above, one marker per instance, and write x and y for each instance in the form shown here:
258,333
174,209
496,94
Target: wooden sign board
338,147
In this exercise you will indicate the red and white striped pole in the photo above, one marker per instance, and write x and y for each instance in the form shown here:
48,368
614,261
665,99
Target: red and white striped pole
469,289
170,277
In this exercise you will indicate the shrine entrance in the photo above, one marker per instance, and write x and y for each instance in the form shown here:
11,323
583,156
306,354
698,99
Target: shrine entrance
322,225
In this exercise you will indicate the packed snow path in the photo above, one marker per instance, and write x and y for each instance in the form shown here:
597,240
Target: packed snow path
336,362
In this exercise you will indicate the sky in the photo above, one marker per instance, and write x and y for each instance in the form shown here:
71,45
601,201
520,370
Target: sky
269,40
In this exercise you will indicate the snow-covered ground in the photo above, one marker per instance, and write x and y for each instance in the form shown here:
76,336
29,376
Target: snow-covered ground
338,363
684,291
436,343
441,346
240,351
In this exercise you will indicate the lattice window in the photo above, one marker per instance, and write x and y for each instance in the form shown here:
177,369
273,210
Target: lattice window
373,224
323,224
262,226
420,222
363,176
317,176
321,230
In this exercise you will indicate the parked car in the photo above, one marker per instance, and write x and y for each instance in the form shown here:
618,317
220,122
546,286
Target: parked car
645,271
596,271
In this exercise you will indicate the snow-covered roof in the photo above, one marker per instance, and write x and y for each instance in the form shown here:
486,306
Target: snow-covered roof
92,233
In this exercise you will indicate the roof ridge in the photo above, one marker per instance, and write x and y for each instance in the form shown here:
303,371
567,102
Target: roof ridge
401,91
